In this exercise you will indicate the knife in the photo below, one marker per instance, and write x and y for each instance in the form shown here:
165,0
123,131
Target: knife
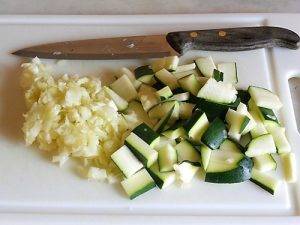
174,43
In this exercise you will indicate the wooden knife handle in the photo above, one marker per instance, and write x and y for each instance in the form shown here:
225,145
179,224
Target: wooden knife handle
233,39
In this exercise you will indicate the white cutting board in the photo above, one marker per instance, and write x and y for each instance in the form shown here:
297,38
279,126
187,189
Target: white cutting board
33,189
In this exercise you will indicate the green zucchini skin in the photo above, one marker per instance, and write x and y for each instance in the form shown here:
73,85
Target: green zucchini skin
146,133
143,71
215,134
237,175
158,84
214,110
136,153
178,90
148,187
193,99
218,75
244,96
158,181
162,123
270,190
268,114
192,120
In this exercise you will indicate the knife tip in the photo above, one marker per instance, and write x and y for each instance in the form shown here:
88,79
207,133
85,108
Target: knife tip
17,53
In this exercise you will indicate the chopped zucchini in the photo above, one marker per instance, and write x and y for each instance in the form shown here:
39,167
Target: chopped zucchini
138,184
226,158
171,63
259,129
202,80
164,93
158,64
147,96
196,125
205,155
124,88
128,73
141,149
229,71
167,78
213,110
174,133
265,181
242,108
167,157
181,97
272,125
186,67
137,84
136,108
162,180
268,114
238,173
160,110
186,152
183,74
147,134
164,141
218,92
144,74
126,161
185,110
261,145
245,140
206,66
289,167
164,122
264,98
190,84
281,142
237,124
264,163
185,171
215,134
121,103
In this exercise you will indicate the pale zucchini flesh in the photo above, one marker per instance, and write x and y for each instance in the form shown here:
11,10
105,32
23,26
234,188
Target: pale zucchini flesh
167,78
126,161
218,92
229,71
261,145
124,88
141,149
167,157
265,181
138,184
289,167
264,98
186,152
206,66
264,163
162,180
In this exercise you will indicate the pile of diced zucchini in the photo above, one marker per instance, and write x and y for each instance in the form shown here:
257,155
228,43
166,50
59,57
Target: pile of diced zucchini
192,117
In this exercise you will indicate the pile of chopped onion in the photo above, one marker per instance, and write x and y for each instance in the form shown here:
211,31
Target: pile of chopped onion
72,116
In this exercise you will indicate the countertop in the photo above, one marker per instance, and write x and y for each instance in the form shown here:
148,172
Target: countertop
106,7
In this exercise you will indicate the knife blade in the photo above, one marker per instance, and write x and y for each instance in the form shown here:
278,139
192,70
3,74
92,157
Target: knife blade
173,43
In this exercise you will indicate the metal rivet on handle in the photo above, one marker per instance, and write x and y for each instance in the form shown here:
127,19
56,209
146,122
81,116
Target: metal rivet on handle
193,34
222,33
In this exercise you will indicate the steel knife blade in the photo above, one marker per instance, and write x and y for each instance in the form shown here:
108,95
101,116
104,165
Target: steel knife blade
173,43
